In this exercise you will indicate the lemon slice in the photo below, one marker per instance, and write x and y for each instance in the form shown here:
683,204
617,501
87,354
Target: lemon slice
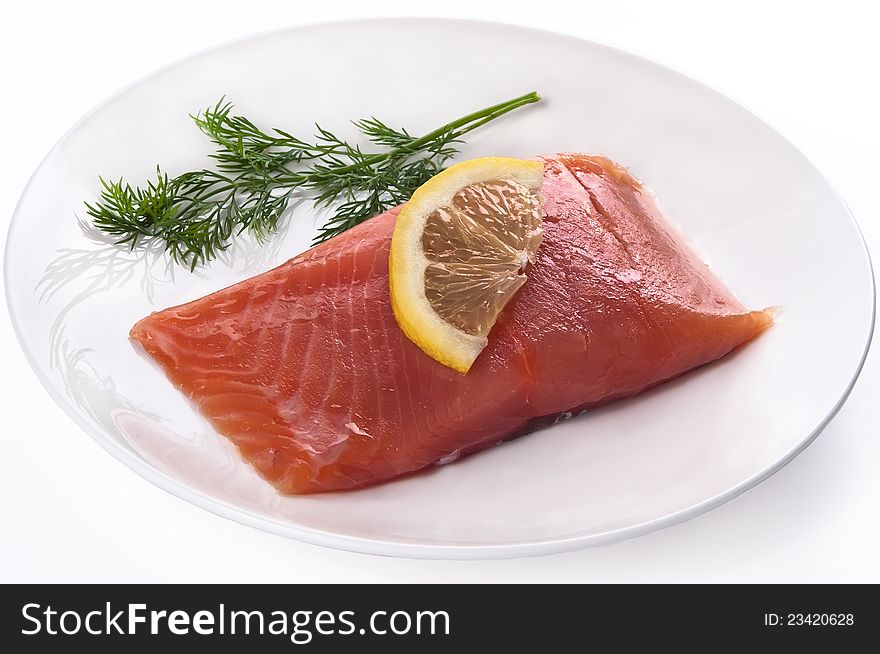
459,253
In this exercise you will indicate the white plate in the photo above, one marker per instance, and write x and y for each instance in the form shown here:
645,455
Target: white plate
765,219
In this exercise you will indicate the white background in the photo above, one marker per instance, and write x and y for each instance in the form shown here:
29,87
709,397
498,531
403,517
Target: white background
72,513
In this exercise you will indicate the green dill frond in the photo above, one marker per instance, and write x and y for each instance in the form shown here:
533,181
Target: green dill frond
196,214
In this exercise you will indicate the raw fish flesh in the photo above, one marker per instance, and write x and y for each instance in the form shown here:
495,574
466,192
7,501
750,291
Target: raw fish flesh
305,370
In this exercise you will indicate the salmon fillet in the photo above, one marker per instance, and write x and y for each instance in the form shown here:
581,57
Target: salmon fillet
305,370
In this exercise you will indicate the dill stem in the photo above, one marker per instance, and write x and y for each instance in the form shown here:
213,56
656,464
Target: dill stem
469,122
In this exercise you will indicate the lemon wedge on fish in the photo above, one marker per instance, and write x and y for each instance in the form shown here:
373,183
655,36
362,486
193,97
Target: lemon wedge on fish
460,250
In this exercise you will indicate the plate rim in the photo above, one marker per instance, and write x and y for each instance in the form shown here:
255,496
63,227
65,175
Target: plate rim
420,550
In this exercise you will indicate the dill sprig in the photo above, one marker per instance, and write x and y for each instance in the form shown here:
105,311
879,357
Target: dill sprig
194,215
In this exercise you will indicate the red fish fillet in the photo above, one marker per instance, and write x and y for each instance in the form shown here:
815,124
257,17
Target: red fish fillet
305,369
